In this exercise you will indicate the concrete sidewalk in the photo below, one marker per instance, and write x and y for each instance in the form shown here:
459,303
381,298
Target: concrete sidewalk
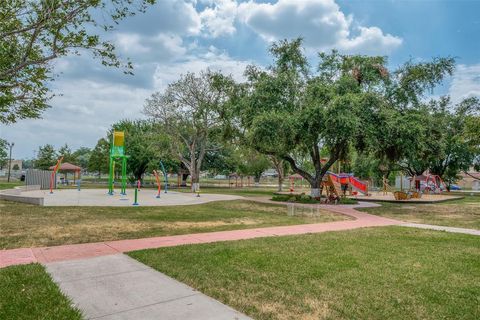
119,287
442,228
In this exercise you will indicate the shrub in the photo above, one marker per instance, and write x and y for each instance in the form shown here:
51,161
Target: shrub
303,198
347,201
299,198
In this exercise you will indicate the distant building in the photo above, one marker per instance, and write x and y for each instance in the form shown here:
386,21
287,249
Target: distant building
14,171
270,173
468,181
15,162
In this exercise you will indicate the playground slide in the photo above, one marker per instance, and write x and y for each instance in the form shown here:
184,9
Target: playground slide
356,183
359,185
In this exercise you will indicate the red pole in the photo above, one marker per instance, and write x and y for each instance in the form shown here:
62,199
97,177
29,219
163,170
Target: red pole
54,172
155,173
139,184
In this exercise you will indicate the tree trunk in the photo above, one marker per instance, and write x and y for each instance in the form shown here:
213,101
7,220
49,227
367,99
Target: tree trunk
316,187
278,164
184,179
320,171
256,179
196,181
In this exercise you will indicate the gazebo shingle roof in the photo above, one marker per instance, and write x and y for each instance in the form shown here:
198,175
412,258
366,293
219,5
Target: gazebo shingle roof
66,166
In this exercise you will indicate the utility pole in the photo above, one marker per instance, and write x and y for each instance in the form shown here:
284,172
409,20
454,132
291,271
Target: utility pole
10,145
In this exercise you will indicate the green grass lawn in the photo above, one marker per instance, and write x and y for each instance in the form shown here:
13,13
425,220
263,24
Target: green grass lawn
371,273
9,185
28,292
24,225
463,213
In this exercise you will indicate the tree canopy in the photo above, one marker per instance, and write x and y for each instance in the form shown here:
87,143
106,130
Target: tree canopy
34,33
191,112
292,113
66,152
3,153
46,157
100,157
351,102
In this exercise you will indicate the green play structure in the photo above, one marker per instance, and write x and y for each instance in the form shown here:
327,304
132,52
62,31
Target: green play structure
117,153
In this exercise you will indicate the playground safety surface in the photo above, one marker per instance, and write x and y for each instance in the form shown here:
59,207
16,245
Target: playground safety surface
99,197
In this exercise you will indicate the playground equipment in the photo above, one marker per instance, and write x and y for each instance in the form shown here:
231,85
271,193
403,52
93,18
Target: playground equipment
155,173
348,179
135,203
165,175
422,184
333,189
54,173
292,178
336,185
117,153
433,184
386,186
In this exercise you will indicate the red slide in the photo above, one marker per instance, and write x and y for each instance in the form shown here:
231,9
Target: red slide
359,185
356,183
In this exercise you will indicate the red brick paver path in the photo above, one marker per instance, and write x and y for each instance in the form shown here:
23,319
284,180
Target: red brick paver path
87,250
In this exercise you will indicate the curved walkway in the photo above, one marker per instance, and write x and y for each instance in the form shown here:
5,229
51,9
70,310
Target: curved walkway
88,250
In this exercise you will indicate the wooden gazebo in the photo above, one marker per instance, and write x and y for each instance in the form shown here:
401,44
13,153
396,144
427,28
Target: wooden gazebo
68,167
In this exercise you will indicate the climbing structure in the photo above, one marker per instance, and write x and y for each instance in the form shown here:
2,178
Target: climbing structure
117,153
332,189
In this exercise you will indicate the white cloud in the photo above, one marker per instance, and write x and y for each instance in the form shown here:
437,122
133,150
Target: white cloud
212,58
219,17
166,16
173,44
131,43
142,48
320,22
173,38
465,82
370,41
79,116
85,108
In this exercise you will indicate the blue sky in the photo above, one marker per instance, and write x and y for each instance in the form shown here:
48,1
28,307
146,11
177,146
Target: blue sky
177,36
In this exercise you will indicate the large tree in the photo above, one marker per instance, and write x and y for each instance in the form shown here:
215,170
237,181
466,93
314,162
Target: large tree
459,149
293,113
281,166
252,163
472,136
34,33
404,131
82,155
441,142
220,161
66,152
46,157
100,157
191,112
